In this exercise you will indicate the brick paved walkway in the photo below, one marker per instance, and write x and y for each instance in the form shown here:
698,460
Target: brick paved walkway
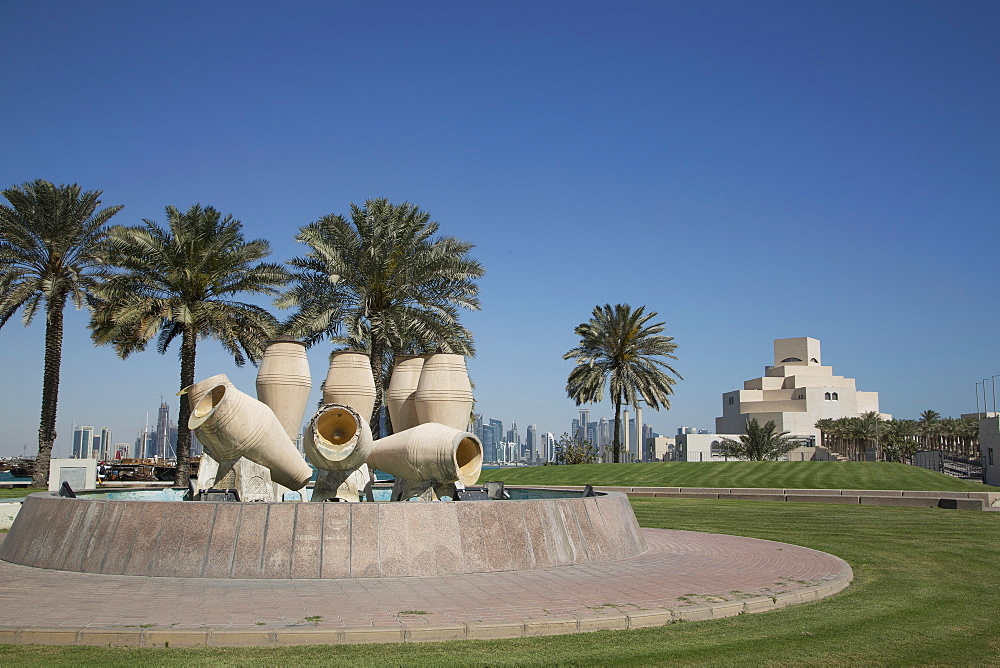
683,575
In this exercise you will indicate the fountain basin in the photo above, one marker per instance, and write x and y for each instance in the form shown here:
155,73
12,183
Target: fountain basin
90,534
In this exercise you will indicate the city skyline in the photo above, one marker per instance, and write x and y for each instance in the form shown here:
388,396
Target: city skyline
749,172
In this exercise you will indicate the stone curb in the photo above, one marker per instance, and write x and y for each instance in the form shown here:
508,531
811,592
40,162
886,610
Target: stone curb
870,497
298,635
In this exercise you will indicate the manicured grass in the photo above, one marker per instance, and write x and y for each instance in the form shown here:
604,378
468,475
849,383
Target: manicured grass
926,592
19,492
790,475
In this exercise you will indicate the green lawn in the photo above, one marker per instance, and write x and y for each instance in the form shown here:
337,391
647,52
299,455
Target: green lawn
790,475
19,492
926,592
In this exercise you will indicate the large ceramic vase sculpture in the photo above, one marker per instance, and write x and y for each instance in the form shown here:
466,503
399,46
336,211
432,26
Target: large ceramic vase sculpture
251,480
428,456
350,382
198,390
284,382
401,398
234,424
338,442
444,393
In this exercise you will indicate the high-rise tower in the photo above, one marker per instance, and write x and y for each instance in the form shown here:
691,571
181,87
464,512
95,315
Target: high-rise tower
164,448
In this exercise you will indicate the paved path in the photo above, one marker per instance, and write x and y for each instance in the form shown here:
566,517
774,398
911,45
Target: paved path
683,575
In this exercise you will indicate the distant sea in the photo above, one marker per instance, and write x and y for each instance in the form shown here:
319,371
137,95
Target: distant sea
6,476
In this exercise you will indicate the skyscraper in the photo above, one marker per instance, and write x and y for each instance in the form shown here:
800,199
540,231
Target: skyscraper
604,427
547,447
531,439
496,437
584,422
164,446
107,449
512,434
83,442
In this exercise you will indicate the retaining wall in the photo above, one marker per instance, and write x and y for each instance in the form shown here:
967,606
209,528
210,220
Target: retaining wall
318,540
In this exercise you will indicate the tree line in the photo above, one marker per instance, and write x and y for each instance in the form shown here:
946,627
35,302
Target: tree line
380,280
898,440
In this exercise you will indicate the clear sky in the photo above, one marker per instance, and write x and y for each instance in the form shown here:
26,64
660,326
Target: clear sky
749,170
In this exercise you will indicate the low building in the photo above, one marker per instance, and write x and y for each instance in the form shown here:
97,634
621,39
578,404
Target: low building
660,449
794,393
989,445
702,447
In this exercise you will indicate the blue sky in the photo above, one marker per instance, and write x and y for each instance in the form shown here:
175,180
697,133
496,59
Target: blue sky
750,171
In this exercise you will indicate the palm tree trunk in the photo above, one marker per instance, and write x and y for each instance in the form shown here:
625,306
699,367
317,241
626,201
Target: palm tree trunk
50,390
377,351
616,443
188,353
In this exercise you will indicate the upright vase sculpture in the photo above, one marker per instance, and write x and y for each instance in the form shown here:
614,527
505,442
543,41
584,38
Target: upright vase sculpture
233,424
401,396
444,393
350,382
284,382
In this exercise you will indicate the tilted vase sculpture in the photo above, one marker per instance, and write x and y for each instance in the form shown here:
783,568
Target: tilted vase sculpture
284,382
199,389
248,478
337,438
337,441
195,393
444,393
401,398
430,452
350,382
234,424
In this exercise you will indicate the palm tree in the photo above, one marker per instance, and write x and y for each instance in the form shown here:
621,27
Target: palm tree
619,348
50,251
182,281
864,429
383,283
929,425
759,443
826,427
898,440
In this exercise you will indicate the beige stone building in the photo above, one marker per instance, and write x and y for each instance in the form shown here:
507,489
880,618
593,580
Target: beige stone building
795,393
989,443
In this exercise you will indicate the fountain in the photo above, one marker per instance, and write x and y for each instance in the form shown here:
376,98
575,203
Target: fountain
342,533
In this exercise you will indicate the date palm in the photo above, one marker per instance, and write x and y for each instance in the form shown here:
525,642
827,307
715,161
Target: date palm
50,252
930,424
619,348
759,443
383,283
183,281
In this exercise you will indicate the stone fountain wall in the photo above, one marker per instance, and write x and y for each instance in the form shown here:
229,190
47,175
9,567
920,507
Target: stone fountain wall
319,540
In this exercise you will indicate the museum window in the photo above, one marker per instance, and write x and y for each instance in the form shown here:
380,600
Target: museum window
827,396
730,401
835,396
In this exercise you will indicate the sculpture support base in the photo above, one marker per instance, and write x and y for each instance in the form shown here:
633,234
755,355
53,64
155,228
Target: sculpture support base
251,481
343,485
427,490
